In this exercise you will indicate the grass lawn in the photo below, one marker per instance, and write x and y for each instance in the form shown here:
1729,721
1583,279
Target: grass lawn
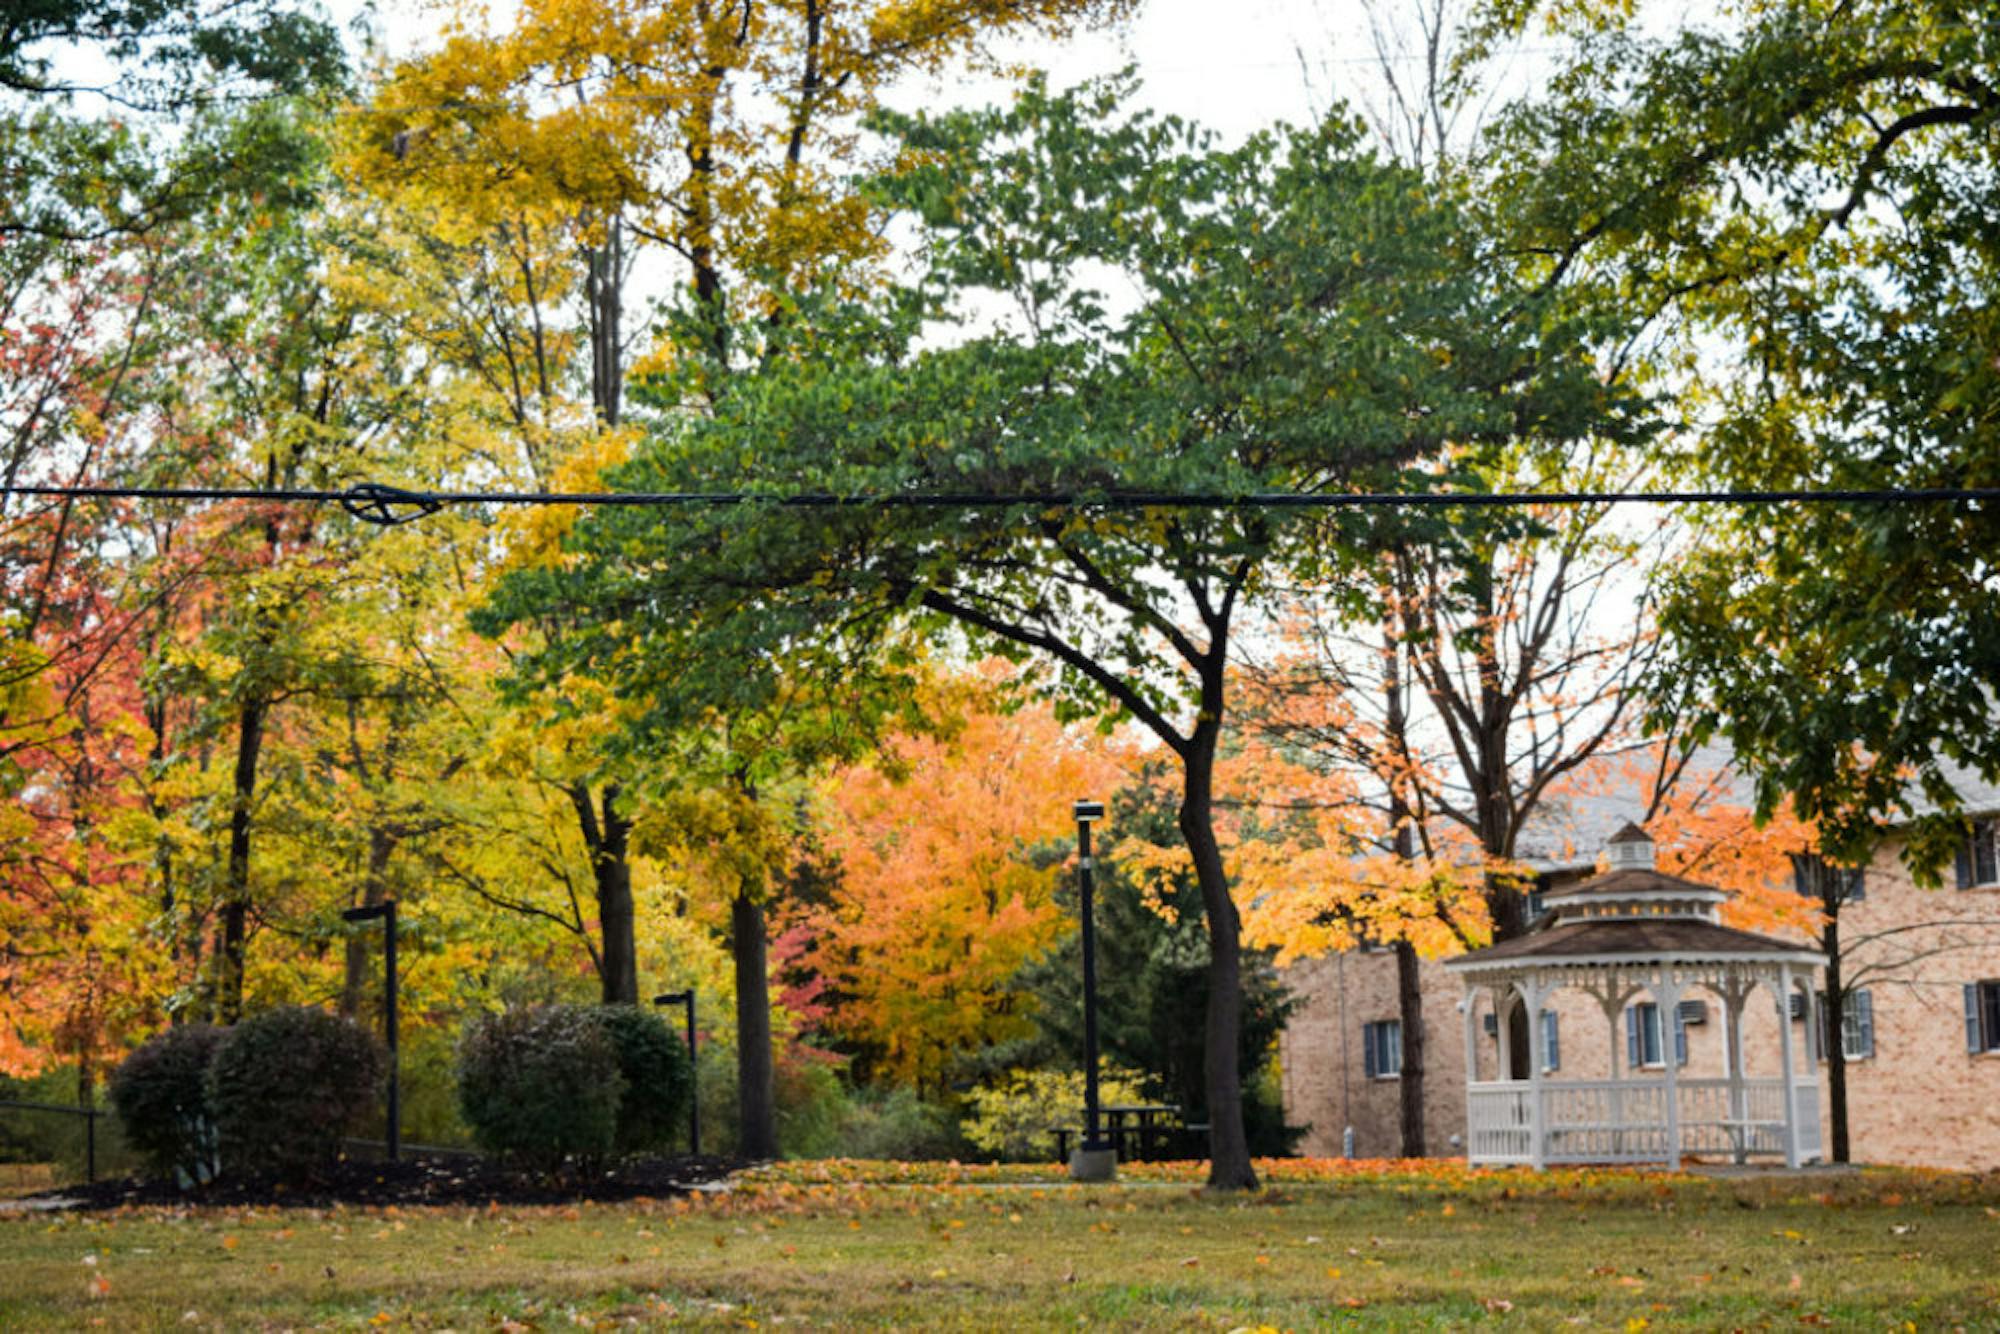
1383,1246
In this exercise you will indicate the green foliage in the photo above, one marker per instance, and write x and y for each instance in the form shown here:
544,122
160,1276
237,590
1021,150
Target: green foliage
1306,318
898,1124
1012,1118
658,1079
286,1085
161,1094
1802,198
541,1084
427,1088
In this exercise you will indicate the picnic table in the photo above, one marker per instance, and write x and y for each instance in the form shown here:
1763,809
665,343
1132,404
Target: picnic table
1138,1132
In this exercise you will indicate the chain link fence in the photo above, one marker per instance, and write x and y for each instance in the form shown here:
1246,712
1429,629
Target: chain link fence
45,1145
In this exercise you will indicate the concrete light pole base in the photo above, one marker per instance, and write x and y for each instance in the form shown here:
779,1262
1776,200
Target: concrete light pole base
1093,1165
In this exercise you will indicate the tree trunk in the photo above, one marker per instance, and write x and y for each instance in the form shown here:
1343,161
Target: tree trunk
1403,836
608,841
615,916
236,896
1410,1010
756,1098
1836,1046
1228,1147
604,290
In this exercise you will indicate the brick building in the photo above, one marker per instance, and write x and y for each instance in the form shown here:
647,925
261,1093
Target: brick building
1922,1032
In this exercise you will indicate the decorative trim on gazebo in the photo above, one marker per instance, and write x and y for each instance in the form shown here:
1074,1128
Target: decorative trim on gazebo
1630,934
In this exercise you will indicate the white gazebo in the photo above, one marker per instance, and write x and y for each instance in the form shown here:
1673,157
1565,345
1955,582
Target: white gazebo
1626,937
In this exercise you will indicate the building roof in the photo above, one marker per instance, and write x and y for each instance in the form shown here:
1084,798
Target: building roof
1631,833
1627,937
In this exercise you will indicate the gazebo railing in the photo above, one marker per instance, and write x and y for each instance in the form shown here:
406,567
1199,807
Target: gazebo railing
1625,1120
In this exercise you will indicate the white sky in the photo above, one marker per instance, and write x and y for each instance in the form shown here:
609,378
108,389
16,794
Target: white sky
1233,65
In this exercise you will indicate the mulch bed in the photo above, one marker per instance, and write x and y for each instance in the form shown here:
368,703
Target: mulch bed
418,1179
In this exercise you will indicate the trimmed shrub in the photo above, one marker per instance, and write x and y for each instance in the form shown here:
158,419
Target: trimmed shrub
287,1084
541,1084
659,1080
161,1096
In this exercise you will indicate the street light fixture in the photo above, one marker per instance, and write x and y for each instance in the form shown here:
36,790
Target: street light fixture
1095,1160
694,1069
386,911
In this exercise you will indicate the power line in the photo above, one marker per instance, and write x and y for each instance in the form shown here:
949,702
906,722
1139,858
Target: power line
389,505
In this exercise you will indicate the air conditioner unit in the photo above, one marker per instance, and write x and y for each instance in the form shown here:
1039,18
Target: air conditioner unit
1492,1025
1694,1012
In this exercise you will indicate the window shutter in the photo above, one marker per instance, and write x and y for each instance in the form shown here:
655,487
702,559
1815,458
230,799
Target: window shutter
1864,1009
1551,1040
1680,1039
1632,1056
1962,865
1972,1033
1370,1067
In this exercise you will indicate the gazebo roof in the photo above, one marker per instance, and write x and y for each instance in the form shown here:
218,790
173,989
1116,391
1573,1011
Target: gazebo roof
1624,939
1638,880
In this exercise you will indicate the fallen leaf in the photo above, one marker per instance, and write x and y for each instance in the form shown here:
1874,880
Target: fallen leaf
1498,1305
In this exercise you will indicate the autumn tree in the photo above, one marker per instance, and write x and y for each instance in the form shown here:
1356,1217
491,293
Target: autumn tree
946,883
725,134
1259,357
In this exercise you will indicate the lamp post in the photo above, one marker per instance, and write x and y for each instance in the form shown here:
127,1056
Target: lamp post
694,1070
1095,1160
386,910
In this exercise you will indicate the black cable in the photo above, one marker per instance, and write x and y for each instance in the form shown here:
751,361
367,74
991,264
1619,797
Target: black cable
380,504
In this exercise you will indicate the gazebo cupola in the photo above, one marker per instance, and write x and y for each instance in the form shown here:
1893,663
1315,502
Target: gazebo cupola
1638,941
1632,888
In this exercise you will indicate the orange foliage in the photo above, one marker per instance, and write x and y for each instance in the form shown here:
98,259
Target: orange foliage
1305,872
949,849
1704,829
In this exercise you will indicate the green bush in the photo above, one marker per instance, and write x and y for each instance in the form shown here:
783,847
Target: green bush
285,1086
161,1095
659,1079
541,1084
900,1125
1012,1118
428,1091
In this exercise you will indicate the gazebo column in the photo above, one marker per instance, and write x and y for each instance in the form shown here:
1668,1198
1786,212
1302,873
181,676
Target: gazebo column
1532,994
1735,991
1785,1055
1471,1008
1666,993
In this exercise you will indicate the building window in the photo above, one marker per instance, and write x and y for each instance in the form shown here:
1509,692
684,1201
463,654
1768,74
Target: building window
1982,1016
1857,1026
1853,880
1976,856
1382,1048
1642,1037
1551,1042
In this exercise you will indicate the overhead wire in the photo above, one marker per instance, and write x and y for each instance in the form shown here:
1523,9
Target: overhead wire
389,505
